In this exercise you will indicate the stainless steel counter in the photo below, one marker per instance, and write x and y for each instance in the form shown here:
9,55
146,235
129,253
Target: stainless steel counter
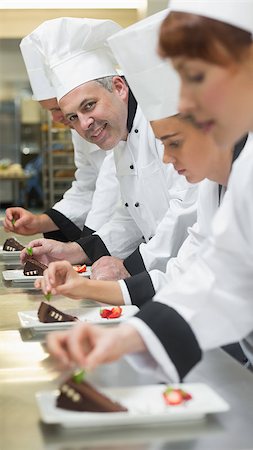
25,368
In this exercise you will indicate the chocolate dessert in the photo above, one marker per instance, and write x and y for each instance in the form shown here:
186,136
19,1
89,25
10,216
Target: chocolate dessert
48,314
33,267
84,397
12,245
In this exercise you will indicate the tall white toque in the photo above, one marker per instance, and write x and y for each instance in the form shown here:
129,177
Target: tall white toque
152,80
77,52
36,67
238,13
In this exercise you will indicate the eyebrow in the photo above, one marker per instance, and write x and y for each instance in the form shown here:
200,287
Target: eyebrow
167,136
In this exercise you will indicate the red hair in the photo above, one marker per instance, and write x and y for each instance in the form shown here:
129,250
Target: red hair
193,36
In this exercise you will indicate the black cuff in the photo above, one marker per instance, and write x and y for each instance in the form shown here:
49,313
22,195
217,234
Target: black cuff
174,333
70,231
86,231
94,247
134,263
140,288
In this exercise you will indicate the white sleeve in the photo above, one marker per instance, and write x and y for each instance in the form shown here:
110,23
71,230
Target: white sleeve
172,230
77,200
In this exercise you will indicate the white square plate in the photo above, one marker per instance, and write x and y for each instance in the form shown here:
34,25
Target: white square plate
4,254
29,319
145,406
17,276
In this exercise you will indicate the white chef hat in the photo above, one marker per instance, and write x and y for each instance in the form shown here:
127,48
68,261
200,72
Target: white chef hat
234,12
36,67
153,81
77,51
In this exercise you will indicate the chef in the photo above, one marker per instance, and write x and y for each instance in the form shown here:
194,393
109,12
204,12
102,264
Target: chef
109,116
94,193
211,303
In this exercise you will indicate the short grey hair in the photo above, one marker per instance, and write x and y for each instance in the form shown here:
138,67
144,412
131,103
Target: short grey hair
106,82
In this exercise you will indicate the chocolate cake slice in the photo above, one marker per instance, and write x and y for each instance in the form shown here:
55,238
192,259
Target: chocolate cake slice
12,245
84,397
48,314
33,267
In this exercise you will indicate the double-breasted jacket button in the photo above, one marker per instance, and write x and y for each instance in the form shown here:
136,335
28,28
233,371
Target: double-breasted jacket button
131,166
136,131
126,204
137,204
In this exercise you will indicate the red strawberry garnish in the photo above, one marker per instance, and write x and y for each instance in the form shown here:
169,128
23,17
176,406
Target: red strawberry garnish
174,396
112,313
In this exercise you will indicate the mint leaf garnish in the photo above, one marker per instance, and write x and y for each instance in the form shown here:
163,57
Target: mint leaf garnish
48,296
29,251
79,376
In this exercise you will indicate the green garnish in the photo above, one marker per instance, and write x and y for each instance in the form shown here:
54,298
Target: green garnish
13,221
78,376
48,296
29,251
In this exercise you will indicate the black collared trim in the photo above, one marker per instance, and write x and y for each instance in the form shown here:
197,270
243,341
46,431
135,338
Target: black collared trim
69,229
236,152
140,288
175,335
134,263
132,106
94,247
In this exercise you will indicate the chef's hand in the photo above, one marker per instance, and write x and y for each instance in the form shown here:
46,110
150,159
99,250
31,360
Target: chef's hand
20,221
60,278
88,346
109,268
48,250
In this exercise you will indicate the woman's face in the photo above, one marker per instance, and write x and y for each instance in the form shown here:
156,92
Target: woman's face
192,152
220,98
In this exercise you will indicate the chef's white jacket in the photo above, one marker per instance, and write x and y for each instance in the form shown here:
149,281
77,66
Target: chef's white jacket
94,193
149,188
210,305
141,287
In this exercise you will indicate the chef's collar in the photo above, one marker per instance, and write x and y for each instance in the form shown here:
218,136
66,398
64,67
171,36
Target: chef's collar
132,107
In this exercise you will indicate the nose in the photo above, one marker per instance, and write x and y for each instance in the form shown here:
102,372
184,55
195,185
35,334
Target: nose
168,157
85,122
186,102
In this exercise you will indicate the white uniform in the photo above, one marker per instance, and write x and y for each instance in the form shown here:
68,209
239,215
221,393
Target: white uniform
208,203
210,305
94,193
148,188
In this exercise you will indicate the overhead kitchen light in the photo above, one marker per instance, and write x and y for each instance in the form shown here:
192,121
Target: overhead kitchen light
72,4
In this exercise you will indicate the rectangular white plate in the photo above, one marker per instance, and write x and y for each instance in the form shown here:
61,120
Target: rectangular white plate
145,407
29,319
17,276
9,255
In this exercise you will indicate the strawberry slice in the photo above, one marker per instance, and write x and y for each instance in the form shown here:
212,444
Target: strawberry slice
112,313
105,313
173,396
80,269
115,313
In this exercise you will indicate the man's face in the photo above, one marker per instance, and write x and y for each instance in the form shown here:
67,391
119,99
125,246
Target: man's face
98,115
52,106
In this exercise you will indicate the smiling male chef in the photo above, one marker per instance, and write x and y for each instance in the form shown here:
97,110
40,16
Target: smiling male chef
94,193
102,109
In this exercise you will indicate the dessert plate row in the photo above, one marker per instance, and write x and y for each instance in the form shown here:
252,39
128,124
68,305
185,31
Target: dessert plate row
29,319
145,406
19,277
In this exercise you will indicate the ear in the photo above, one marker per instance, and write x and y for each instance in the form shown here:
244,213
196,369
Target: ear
120,87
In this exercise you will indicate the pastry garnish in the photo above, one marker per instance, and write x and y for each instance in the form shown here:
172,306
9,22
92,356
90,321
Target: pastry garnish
112,313
78,376
48,296
175,396
29,251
